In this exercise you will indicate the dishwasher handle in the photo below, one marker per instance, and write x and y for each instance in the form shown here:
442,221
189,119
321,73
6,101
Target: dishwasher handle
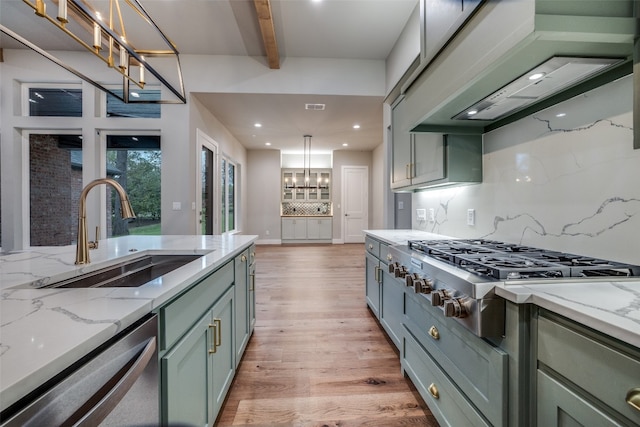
93,413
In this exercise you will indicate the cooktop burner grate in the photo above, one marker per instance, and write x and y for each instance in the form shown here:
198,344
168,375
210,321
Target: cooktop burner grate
506,261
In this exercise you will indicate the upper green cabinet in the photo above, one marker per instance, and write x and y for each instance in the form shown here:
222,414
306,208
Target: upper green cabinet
440,19
425,159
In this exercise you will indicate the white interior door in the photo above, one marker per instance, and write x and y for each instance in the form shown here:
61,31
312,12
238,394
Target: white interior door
355,203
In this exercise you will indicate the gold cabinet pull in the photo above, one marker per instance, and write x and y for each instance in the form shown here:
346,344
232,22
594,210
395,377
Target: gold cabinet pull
243,258
218,338
252,282
213,349
633,398
435,334
376,275
389,257
370,247
433,390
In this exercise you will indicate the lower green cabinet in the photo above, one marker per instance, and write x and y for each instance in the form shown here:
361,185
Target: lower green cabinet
188,386
198,370
242,303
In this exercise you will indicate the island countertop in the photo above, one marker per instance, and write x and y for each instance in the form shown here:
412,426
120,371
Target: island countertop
42,331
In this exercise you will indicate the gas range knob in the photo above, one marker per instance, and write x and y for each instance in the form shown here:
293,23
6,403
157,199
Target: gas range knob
410,279
392,267
439,297
455,307
423,286
401,272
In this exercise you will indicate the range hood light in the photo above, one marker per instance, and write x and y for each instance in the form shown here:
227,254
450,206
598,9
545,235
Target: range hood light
548,78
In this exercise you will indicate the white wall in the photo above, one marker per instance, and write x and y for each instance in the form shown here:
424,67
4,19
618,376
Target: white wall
177,126
567,183
263,195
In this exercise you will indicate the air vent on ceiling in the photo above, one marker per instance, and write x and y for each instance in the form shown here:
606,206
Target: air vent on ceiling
314,107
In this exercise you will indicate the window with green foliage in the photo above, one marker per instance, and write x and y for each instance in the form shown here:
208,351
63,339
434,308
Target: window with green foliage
134,161
228,194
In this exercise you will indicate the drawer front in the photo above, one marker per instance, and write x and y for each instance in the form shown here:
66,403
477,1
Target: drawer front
479,368
558,406
446,403
372,246
608,374
181,314
384,253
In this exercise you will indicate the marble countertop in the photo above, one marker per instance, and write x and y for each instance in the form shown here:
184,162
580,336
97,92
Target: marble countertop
612,308
398,237
42,331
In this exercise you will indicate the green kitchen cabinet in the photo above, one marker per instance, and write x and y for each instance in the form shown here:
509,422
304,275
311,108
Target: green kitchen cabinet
187,388
392,308
199,369
245,301
583,378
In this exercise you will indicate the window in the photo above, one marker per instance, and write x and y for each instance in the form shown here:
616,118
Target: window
55,183
137,108
134,161
228,194
59,102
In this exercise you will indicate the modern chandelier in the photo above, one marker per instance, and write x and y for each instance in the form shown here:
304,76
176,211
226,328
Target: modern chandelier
117,37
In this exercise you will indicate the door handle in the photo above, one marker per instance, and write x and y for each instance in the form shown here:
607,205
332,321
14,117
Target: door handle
113,396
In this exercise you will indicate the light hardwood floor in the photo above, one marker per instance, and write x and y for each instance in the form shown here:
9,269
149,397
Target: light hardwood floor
317,356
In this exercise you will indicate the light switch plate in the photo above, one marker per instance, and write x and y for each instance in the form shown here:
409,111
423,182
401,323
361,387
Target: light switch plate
432,215
421,214
177,206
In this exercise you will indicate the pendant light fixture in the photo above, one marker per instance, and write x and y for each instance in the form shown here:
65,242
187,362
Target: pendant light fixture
307,160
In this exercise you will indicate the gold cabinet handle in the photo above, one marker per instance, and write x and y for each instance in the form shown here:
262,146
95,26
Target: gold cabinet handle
213,349
370,247
218,323
389,257
217,335
435,334
633,398
252,282
433,390
243,258
375,274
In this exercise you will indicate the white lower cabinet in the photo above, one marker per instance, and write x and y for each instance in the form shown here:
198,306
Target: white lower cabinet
307,228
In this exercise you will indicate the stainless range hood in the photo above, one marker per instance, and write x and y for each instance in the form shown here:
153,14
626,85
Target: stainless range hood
548,78
578,45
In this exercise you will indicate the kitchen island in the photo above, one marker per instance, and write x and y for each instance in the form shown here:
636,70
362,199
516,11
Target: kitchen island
44,330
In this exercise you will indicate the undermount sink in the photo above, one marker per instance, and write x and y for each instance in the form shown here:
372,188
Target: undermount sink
128,274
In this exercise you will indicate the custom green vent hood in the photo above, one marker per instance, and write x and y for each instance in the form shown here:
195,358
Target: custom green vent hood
582,43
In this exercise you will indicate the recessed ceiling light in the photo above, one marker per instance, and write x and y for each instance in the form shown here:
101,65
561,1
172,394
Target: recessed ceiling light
536,76
258,125
267,143
356,126
345,145
472,112
561,114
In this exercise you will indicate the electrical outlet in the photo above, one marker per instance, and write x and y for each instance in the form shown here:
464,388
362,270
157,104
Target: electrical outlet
177,206
471,217
400,205
266,232
432,215
421,214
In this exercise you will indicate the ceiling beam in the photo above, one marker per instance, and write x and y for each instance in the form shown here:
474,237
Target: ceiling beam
265,19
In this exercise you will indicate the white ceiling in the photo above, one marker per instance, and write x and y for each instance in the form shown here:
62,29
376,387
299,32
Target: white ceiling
357,29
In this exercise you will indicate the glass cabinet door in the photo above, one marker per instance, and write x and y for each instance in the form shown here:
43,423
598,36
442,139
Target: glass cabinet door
287,185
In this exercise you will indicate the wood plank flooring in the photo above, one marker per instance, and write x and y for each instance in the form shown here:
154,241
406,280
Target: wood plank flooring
317,357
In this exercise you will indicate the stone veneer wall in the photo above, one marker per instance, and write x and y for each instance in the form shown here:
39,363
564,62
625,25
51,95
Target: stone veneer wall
566,178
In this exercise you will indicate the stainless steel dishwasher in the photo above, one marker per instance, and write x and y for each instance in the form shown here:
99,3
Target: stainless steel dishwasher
116,385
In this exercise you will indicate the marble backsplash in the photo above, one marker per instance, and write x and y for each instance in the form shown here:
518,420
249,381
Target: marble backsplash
566,178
